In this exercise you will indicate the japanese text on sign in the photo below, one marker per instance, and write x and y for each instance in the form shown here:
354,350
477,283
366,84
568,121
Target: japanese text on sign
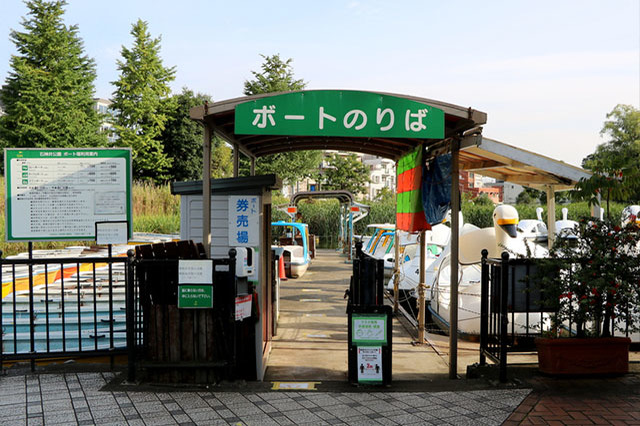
195,271
369,329
58,194
244,220
195,296
339,113
369,361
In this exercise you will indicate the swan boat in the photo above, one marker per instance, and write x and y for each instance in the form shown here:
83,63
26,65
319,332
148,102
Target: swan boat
503,236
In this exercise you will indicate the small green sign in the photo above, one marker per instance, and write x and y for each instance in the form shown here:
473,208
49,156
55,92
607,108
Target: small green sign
339,113
195,296
369,330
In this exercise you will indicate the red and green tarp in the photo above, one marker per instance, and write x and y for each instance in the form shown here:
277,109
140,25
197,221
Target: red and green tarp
409,211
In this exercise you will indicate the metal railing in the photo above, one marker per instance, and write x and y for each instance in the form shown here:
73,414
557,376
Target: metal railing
512,312
62,307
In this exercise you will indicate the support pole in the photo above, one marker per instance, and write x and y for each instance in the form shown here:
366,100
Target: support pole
455,233
206,189
422,287
551,216
396,272
396,266
236,160
253,166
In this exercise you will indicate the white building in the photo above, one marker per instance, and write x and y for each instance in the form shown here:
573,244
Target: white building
103,106
511,192
382,174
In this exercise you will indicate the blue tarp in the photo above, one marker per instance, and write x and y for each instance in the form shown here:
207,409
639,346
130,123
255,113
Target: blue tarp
436,188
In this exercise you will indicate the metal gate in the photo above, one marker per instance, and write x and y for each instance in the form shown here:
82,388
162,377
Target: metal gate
170,344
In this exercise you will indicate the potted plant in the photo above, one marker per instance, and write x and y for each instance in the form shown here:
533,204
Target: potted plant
591,285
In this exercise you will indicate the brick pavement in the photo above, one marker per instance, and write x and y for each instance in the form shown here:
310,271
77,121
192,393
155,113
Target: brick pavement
607,401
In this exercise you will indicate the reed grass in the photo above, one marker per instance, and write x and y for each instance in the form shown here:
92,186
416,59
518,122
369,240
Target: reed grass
155,210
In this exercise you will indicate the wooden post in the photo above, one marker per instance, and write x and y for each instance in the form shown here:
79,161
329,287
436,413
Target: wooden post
206,189
253,166
422,287
455,233
551,216
396,272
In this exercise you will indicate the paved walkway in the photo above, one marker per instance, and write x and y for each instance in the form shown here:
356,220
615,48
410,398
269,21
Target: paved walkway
580,402
79,398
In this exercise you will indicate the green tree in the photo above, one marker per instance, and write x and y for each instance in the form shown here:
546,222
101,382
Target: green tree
48,96
277,76
345,173
531,196
182,142
143,104
615,162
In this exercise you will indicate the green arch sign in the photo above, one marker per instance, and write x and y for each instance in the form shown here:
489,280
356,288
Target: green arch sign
339,113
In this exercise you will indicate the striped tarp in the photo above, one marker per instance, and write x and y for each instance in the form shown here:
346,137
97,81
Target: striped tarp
409,211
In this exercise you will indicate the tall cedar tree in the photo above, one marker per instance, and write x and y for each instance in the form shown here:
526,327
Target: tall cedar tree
143,104
182,142
277,76
48,96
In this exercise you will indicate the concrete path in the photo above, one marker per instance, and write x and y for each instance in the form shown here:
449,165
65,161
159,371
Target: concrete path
311,340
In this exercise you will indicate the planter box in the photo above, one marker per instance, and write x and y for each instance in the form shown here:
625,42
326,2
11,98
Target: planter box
573,356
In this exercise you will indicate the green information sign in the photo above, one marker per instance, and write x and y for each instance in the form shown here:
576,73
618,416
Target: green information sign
369,330
339,113
60,194
195,296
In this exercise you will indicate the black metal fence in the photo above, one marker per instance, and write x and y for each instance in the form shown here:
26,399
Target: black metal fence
513,311
62,307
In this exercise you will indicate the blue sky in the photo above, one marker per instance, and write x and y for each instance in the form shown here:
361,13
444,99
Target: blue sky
545,72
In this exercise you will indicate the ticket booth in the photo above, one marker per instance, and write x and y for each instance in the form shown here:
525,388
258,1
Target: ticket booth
240,219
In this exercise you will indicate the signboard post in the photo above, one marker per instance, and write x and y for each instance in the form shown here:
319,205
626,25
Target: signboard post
60,194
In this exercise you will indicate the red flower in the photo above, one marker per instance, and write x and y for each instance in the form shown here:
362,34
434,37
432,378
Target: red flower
584,296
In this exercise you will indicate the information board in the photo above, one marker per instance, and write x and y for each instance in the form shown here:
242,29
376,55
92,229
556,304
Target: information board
195,271
112,232
195,296
60,194
369,364
369,329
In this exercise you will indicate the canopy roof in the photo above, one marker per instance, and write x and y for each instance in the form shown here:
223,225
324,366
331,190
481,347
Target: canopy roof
221,117
499,160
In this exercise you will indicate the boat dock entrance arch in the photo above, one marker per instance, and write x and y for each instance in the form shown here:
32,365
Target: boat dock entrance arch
382,124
